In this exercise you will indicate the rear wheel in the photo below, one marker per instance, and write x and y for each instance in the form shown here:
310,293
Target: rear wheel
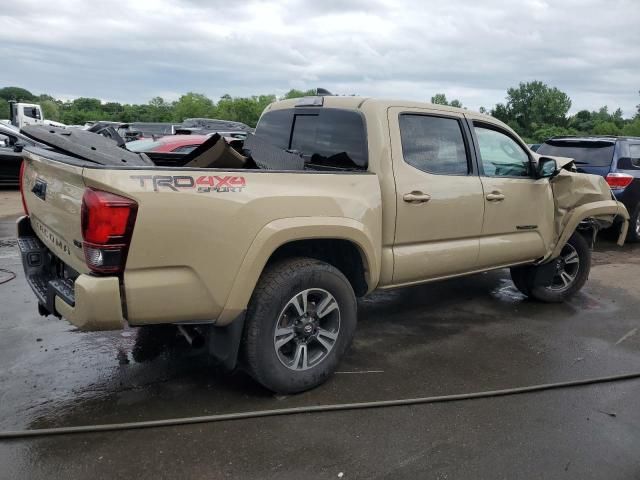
633,234
300,321
571,272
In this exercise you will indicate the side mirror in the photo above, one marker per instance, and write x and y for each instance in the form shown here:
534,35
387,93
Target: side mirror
547,167
18,147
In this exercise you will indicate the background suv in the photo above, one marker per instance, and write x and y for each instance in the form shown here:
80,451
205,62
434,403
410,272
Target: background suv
617,159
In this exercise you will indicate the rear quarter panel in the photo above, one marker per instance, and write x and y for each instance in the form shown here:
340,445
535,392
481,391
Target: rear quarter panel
190,239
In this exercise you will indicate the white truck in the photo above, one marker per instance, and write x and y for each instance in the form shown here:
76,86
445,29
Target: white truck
23,114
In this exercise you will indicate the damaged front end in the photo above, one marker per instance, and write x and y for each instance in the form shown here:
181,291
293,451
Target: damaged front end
583,203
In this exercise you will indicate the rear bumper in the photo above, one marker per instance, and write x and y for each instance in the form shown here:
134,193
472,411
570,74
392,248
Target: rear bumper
88,302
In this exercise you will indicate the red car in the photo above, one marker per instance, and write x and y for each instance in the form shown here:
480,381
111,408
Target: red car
168,144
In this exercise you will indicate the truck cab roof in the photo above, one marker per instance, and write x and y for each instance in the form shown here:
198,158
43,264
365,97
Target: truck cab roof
360,103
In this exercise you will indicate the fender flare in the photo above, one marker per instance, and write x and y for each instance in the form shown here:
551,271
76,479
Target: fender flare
285,230
590,210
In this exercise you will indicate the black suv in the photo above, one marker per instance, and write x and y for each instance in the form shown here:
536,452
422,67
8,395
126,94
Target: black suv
617,159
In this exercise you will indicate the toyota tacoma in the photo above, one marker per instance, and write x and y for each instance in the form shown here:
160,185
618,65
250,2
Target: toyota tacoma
262,248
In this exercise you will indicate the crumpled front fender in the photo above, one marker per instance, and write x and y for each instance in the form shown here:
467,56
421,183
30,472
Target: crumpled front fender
577,197
604,212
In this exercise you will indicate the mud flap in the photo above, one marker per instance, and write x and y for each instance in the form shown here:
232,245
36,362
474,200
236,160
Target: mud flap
543,274
224,342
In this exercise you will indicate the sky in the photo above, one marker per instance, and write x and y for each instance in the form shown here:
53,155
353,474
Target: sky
132,51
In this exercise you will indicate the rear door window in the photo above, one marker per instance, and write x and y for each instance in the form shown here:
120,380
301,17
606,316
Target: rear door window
433,144
591,153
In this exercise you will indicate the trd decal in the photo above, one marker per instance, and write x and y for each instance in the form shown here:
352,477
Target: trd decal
202,184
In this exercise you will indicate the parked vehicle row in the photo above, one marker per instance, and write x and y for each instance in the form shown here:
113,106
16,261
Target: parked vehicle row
11,145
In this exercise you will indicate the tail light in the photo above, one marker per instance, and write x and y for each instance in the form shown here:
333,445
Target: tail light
24,203
107,226
618,181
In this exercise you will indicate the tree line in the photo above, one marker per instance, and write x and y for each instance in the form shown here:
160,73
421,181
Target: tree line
533,109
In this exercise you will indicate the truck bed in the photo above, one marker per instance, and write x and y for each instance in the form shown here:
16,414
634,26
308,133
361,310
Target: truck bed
199,237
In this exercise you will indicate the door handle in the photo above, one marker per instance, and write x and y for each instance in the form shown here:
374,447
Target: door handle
416,197
495,196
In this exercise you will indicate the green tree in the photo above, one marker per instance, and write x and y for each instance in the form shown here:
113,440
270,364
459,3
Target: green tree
4,109
441,99
501,112
616,117
632,129
548,131
16,93
84,103
532,105
50,110
582,121
159,110
606,128
243,109
192,105
293,93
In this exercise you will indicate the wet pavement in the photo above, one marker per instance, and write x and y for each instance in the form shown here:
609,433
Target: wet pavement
466,335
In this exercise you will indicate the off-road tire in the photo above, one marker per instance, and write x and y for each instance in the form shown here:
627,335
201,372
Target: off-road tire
523,277
633,235
520,277
277,285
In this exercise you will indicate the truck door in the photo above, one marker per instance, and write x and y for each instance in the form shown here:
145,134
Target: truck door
29,114
439,197
519,209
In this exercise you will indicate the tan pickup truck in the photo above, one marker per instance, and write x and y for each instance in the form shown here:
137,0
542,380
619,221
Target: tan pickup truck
332,198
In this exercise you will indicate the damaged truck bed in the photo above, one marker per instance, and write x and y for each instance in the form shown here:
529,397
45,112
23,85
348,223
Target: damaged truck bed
267,243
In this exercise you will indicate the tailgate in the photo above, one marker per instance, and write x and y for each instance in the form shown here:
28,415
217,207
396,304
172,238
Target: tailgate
53,194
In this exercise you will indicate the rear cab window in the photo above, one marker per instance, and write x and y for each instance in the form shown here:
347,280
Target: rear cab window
328,137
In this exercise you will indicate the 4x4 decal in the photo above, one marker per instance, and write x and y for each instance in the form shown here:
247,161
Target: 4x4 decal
203,183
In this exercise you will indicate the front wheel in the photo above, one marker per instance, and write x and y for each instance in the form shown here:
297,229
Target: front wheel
300,321
572,269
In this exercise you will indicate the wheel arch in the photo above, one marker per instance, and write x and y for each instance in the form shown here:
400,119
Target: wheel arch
325,238
586,214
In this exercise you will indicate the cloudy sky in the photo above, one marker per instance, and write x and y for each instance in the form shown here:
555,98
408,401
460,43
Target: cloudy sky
133,50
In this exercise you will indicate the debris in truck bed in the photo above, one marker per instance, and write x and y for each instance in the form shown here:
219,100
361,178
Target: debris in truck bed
87,145
215,152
